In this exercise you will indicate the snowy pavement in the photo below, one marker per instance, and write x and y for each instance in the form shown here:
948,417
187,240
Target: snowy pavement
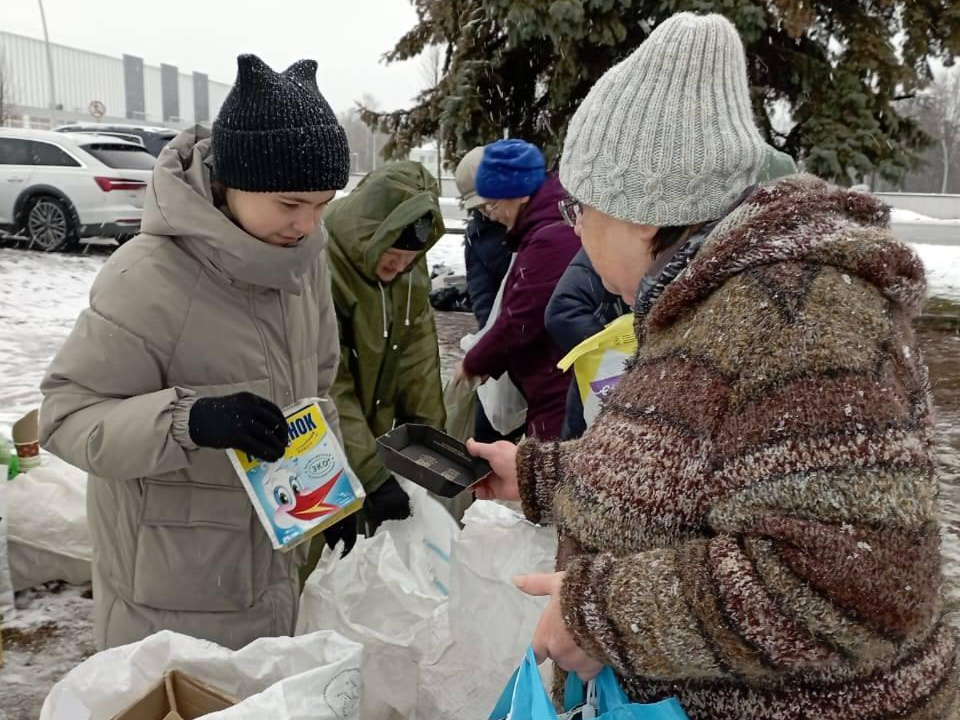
51,634
40,298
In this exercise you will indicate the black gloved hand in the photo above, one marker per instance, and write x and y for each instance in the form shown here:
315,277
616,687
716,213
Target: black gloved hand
345,530
387,502
244,422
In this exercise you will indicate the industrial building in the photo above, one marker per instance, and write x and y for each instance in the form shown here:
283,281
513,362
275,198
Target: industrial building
84,86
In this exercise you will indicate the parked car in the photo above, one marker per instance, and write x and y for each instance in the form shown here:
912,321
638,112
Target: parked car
57,189
152,138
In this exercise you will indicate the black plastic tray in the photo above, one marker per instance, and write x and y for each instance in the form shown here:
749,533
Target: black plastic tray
432,459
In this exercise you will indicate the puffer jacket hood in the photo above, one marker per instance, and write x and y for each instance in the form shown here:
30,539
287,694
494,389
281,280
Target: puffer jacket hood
367,222
180,204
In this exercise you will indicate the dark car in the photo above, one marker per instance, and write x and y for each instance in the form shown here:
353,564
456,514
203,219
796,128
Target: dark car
152,138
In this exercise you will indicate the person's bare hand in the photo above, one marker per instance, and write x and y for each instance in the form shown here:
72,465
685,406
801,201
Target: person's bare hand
552,639
502,483
460,375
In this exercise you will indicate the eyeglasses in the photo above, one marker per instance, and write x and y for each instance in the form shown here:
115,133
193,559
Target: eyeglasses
571,210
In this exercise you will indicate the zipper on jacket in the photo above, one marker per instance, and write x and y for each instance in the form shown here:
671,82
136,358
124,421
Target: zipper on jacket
286,342
251,294
390,342
383,308
409,296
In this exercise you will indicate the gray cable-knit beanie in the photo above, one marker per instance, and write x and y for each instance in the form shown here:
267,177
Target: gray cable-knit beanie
667,136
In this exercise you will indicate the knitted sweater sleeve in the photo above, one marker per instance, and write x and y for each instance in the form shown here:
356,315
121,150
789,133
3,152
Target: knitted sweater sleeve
818,548
539,467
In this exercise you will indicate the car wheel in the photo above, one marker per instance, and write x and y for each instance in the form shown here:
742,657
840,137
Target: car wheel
49,224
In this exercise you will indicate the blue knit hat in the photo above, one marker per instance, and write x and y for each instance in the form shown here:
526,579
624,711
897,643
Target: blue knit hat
510,169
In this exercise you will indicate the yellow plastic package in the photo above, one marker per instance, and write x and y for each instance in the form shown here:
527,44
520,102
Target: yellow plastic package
598,363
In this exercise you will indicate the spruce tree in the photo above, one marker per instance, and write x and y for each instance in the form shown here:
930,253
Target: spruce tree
519,68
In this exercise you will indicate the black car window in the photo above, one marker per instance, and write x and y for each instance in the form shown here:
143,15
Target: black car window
124,157
155,142
14,152
46,154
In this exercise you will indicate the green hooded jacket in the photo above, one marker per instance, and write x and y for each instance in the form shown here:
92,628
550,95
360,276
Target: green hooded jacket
389,363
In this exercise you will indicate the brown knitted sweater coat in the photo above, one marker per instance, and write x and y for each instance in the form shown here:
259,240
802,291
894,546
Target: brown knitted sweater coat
751,523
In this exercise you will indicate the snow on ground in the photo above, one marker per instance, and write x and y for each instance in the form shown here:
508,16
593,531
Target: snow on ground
448,251
899,215
912,227
50,635
40,298
942,263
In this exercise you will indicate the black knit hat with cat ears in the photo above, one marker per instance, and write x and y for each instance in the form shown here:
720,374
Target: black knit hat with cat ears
277,133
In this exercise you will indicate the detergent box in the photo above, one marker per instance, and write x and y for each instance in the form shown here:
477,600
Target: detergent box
307,490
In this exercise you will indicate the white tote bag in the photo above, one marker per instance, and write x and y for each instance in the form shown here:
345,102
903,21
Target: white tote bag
503,403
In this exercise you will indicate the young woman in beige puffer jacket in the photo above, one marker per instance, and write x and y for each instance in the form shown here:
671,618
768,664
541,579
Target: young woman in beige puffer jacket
198,331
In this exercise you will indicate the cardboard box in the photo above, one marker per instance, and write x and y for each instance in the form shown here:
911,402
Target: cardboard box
178,696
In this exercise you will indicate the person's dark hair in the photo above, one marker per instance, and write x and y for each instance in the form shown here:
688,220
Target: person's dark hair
219,192
670,235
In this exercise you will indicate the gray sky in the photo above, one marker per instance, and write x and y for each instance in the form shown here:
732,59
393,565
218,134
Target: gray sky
346,37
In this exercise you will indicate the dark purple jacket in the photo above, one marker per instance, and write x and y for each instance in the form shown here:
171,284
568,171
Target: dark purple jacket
518,342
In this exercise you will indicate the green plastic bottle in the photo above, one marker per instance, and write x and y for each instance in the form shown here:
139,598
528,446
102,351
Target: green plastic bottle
9,458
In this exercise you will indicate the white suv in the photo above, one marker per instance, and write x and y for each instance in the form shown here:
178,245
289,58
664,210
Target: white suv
57,188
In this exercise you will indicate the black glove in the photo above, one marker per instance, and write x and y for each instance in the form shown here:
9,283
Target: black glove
345,530
244,422
387,502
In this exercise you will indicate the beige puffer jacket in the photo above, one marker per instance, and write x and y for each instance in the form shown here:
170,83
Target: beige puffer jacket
193,307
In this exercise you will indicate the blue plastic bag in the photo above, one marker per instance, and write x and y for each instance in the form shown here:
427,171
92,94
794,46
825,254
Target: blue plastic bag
613,704
525,698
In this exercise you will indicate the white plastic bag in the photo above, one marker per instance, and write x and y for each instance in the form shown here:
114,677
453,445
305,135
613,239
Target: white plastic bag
383,595
47,534
434,528
503,404
491,622
313,677
7,607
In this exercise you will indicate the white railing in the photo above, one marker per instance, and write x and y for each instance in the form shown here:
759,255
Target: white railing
943,207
